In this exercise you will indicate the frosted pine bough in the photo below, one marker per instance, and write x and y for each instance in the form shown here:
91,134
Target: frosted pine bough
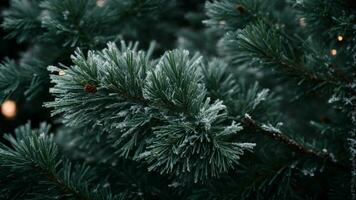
155,111
302,51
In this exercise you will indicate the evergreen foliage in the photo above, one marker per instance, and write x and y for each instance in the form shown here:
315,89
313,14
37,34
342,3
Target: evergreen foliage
222,99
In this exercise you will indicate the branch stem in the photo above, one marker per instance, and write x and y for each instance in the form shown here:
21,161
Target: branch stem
248,122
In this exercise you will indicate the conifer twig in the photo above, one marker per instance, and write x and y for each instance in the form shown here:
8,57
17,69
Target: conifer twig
60,182
248,122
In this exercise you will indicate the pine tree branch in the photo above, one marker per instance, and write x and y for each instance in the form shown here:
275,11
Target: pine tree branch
60,183
261,43
276,135
35,158
260,98
190,135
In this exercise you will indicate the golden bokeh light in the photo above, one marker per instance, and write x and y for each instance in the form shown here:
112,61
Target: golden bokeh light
9,109
340,38
333,52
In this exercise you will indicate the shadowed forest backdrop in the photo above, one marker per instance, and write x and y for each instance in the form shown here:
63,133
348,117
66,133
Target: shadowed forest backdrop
178,99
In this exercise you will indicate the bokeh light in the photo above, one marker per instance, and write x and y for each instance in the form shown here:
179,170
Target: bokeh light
9,109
